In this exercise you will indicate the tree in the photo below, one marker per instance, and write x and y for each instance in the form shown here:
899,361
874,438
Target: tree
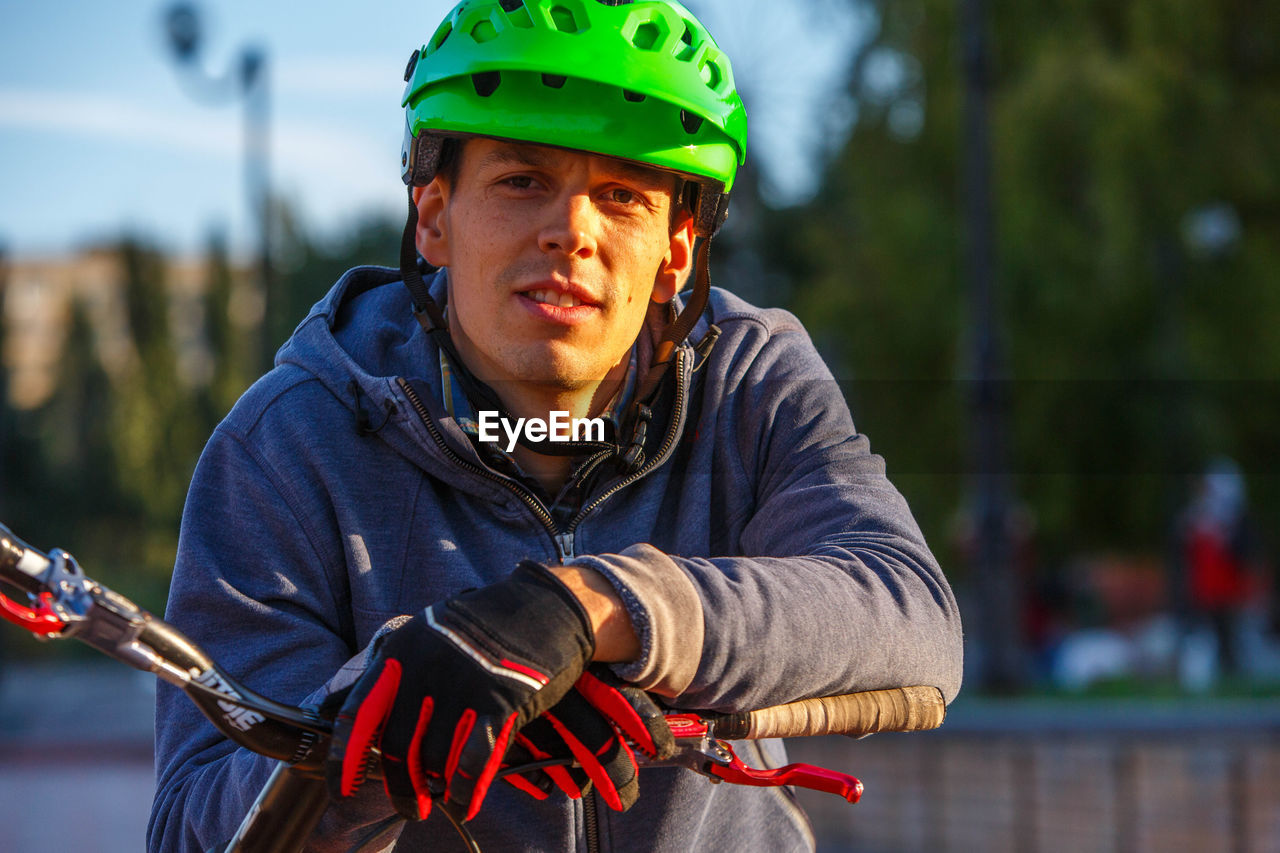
1114,126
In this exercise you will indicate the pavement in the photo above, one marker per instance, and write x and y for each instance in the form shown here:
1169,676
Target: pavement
75,757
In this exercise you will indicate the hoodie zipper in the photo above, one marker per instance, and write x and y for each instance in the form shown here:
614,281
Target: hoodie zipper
667,443
530,500
591,822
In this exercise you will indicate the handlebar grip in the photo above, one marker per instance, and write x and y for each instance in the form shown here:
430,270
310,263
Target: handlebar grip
897,709
21,565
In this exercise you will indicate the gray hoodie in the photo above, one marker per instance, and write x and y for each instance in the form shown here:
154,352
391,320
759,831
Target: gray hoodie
761,552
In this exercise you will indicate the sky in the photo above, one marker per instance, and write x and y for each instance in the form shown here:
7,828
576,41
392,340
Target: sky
99,135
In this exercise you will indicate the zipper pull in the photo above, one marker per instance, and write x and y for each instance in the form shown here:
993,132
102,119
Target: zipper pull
704,346
564,544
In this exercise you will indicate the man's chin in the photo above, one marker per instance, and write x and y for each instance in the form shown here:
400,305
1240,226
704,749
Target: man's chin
553,381
535,371
552,367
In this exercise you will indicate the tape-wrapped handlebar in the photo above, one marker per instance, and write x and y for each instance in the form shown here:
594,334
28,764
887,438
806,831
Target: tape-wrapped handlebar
899,709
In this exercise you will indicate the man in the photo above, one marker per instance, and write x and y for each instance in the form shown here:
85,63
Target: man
721,535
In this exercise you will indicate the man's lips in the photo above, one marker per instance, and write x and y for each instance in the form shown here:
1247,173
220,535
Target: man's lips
558,294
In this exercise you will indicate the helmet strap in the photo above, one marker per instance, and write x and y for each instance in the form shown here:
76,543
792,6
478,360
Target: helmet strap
641,412
683,324
424,307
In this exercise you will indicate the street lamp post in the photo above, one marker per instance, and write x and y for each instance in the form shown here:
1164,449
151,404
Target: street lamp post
246,80
996,582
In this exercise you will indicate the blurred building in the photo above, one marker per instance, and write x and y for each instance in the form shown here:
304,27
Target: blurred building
38,296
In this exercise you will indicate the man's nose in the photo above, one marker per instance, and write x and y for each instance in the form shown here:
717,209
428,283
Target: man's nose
570,227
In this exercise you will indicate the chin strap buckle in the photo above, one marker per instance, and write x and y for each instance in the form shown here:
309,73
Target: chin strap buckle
702,350
633,456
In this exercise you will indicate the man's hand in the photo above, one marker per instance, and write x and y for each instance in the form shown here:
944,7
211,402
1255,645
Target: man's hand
591,726
445,693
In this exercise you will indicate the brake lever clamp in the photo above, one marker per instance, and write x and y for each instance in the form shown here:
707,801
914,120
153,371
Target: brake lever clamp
71,592
62,605
59,598
99,617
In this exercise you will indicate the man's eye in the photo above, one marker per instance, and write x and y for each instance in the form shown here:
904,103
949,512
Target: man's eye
621,196
519,182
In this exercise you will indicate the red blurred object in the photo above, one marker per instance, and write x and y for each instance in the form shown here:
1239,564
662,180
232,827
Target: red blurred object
38,619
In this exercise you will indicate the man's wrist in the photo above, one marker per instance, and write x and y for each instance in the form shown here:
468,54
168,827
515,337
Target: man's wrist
616,639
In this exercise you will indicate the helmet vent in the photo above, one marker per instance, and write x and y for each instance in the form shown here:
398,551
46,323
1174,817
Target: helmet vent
486,82
483,31
553,81
439,38
690,122
510,5
690,49
563,20
647,36
711,75
633,97
615,2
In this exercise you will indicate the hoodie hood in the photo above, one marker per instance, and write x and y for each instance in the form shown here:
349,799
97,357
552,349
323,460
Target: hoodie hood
362,331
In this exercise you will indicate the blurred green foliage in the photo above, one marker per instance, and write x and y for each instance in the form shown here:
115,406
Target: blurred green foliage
1136,158
102,466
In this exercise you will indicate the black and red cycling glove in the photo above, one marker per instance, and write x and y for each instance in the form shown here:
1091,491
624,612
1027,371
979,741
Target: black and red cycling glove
445,693
591,726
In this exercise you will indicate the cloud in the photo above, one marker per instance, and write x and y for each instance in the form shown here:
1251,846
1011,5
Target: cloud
301,150
318,154
113,118
362,79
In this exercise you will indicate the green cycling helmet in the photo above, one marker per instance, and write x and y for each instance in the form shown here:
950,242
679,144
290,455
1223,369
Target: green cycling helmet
637,79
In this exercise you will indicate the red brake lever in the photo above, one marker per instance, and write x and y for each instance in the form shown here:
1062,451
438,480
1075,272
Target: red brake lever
802,775
716,758
40,619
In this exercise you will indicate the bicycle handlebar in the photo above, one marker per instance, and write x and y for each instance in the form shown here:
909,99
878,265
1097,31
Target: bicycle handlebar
73,605
66,603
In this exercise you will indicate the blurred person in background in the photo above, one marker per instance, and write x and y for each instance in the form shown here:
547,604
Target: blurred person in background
355,537
1221,557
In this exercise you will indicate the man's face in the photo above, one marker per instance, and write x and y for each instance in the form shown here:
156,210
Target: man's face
553,257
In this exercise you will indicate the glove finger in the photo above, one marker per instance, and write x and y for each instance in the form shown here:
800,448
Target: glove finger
541,741
535,783
474,758
618,764
630,709
602,754
408,786
358,728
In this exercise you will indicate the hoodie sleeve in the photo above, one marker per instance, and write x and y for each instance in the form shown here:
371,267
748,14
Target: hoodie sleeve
258,585
829,586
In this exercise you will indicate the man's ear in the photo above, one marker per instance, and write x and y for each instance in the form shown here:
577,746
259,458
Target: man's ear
432,236
678,263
